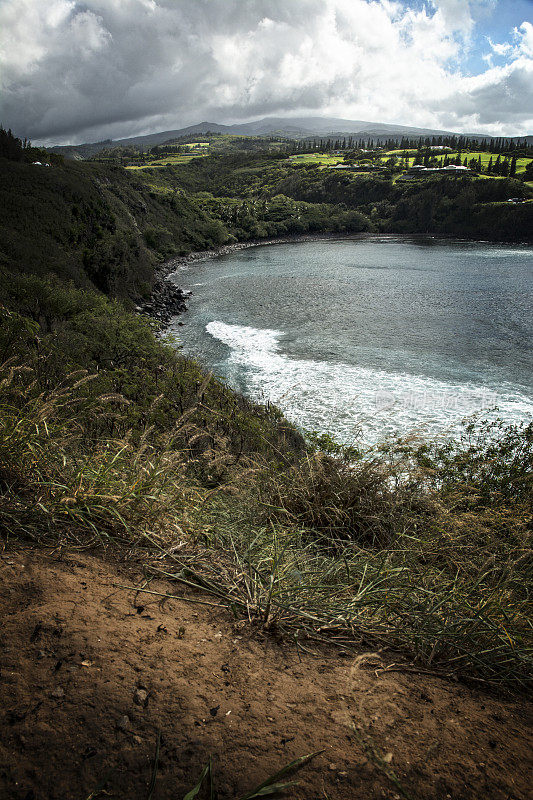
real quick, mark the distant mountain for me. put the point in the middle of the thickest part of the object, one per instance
(287, 127)
(316, 126)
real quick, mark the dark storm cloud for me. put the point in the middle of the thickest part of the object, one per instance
(109, 68)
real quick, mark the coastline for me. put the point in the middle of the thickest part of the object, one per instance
(168, 300)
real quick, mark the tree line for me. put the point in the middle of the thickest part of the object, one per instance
(15, 149)
(345, 143)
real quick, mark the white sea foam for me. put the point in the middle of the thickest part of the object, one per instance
(500, 252)
(344, 400)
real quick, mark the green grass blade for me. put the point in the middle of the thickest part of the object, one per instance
(151, 787)
(271, 782)
(99, 788)
(195, 791)
(274, 789)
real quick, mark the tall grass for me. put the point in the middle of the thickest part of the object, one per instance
(423, 551)
(384, 552)
(58, 483)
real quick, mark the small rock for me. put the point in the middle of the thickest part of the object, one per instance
(342, 774)
(58, 692)
(332, 767)
(41, 654)
(123, 723)
(387, 758)
(140, 697)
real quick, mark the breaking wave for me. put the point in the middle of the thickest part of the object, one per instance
(354, 402)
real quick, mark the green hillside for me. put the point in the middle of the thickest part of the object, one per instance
(108, 436)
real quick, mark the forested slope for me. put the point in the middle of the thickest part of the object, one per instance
(455, 206)
(102, 226)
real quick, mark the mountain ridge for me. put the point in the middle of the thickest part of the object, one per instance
(287, 127)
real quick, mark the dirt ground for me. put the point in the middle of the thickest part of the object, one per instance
(90, 672)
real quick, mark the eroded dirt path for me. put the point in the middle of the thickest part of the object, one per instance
(90, 672)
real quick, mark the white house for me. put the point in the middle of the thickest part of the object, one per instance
(455, 168)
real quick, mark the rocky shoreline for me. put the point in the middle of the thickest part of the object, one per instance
(167, 300)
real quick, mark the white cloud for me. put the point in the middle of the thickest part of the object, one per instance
(76, 70)
(503, 49)
(521, 44)
(524, 35)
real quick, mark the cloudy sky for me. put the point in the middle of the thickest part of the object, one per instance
(73, 71)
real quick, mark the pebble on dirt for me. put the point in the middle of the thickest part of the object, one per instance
(140, 697)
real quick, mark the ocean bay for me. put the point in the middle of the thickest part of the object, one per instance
(369, 336)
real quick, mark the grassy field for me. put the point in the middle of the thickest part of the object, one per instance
(410, 151)
(223, 144)
(329, 159)
(321, 159)
(226, 143)
(485, 156)
(163, 161)
(196, 145)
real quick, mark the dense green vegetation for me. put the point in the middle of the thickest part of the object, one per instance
(104, 226)
(457, 206)
(107, 434)
(187, 147)
(498, 158)
(99, 224)
(15, 149)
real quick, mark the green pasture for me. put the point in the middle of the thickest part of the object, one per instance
(521, 163)
(328, 159)
(175, 158)
(320, 159)
(410, 151)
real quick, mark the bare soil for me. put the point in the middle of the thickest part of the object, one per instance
(89, 673)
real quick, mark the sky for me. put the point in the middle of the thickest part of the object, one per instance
(73, 71)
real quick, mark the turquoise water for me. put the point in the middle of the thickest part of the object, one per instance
(369, 336)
